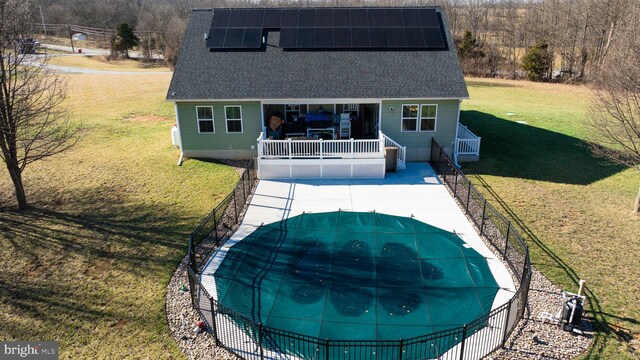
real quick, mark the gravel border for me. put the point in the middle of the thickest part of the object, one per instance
(532, 337)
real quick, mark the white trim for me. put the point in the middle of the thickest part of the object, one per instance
(435, 118)
(419, 118)
(299, 111)
(320, 101)
(402, 117)
(379, 130)
(181, 158)
(213, 121)
(226, 121)
(455, 139)
(175, 107)
(263, 121)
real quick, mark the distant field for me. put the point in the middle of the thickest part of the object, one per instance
(101, 63)
(577, 208)
(88, 266)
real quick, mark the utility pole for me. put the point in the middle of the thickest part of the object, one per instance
(71, 38)
(44, 27)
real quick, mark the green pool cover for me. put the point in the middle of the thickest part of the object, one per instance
(350, 276)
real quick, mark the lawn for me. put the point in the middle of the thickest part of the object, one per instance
(577, 208)
(88, 265)
(101, 63)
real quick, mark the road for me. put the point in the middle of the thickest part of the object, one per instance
(88, 51)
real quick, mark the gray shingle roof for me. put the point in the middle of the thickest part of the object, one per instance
(276, 74)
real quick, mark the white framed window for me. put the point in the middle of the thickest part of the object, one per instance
(204, 114)
(409, 117)
(421, 118)
(428, 116)
(233, 118)
(292, 112)
(352, 109)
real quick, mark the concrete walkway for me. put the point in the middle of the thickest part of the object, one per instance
(416, 191)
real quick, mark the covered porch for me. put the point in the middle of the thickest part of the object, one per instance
(321, 139)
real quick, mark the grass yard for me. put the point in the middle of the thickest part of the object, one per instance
(577, 208)
(88, 266)
(101, 63)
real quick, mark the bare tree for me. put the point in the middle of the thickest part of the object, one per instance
(32, 124)
(615, 114)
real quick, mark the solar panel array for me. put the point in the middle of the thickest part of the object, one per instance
(329, 28)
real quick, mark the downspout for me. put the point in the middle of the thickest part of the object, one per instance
(181, 158)
(455, 140)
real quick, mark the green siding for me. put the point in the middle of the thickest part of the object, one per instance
(220, 140)
(419, 143)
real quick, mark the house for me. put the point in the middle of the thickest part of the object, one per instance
(320, 92)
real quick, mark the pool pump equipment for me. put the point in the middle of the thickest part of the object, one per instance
(573, 308)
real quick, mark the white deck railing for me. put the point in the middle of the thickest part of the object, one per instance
(320, 149)
(467, 143)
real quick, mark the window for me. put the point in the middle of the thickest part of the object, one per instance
(419, 117)
(205, 119)
(428, 117)
(233, 116)
(291, 112)
(409, 117)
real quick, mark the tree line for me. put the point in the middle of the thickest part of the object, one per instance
(569, 39)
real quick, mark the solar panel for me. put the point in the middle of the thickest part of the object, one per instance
(272, 19)
(411, 17)
(233, 38)
(329, 28)
(394, 17)
(359, 17)
(289, 18)
(216, 38)
(428, 17)
(341, 18)
(307, 18)
(306, 38)
(415, 37)
(255, 18)
(433, 37)
(379, 37)
(360, 38)
(252, 38)
(396, 37)
(324, 38)
(288, 38)
(342, 38)
(220, 18)
(237, 18)
(376, 18)
(324, 18)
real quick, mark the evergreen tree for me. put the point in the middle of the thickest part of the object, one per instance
(469, 46)
(125, 39)
(536, 61)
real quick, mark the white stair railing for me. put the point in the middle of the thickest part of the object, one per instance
(467, 143)
(402, 150)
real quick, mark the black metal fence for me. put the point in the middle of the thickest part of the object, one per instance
(217, 226)
(250, 339)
